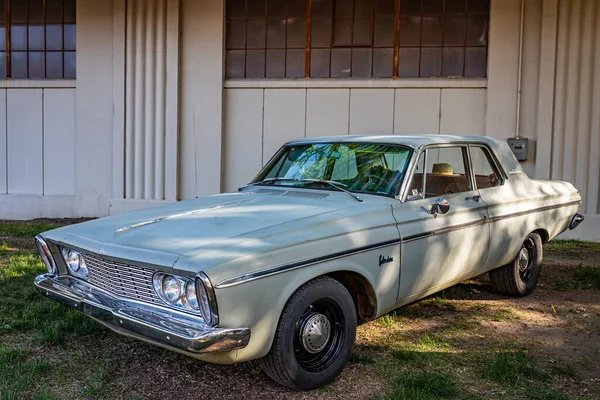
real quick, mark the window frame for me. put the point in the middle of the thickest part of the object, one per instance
(396, 47)
(494, 164)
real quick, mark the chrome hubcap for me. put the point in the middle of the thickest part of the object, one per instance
(315, 333)
(523, 259)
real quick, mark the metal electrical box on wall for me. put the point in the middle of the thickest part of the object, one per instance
(519, 148)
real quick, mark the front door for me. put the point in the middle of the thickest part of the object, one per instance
(440, 249)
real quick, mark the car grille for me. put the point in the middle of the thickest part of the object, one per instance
(122, 280)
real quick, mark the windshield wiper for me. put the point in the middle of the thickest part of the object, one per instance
(338, 185)
(269, 180)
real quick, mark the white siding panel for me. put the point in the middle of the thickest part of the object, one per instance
(327, 112)
(59, 141)
(371, 111)
(243, 136)
(463, 111)
(285, 118)
(3, 153)
(24, 132)
(417, 111)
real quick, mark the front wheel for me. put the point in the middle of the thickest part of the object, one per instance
(314, 337)
(520, 276)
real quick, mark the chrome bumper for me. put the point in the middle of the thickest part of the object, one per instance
(575, 221)
(164, 327)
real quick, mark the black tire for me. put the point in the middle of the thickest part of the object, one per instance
(520, 276)
(301, 358)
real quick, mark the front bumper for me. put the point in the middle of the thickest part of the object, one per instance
(164, 327)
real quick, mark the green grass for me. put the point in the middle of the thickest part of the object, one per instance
(18, 372)
(583, 277)
(512, 368)
(24, 229)
(425, 386)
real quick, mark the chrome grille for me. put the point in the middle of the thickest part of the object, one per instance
(122, 280)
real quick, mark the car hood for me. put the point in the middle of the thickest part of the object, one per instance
(161, 235)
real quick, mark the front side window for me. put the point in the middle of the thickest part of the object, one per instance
(362, 168)
(440, 172)
(357, 38)
(37, 39)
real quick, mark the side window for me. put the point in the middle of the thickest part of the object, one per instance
(445, 173)
(486, 175)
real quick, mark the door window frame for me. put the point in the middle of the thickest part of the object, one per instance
(492, 160)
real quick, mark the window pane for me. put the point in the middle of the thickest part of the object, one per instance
(54, 65)
(256, 8)
(431, 62)
(2, 38)
(69, 11)
(383, 63)
(361, 63)
(456, 6)
(276, 9)
(236, 8)
(320, 32)
(18, 12)
(18, 37)
(477, 30)
(319, 63)
(454, 31)
(236, 34)
(295, 63)
(384, 32)
(363, 8)
(54, 39)
(36, 37)
(70, 37)
(340, 63)
(296, 33)
(342, 32)
(18, 64)
(410, 31)
(275, 63)
(296, 8)
(321, 8)
(408, 63)
(479, 6)
(410, 6)
(2, 64)
(343, 9)
(385, 8)
(476, 62)
(54, 11)
(276, 33)
(433, 6)
(453, 62)
(70, 65)
(363, 32)
(36, 11)
(257, 33)
(255, 64)
(235, 64)
(432, 31)
(2, 12)
(36, 65)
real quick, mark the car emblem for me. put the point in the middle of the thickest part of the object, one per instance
(385, 260)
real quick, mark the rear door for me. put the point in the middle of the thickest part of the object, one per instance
(440, 249)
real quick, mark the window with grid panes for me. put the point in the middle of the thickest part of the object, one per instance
(37, 39)
(357, 38)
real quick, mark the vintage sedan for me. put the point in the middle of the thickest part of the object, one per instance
(332, 232)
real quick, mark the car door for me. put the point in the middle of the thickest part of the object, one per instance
(440, 249)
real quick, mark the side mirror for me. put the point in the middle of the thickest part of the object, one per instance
(439, 206)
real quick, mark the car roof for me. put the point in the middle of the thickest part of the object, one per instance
(414, 141)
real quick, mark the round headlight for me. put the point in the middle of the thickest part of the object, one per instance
(171, 288)
(73, 259)
(191, 296)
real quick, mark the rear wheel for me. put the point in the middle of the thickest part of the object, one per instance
(314, 337)
(520, 276)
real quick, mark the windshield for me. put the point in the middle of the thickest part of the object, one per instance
(363, 168)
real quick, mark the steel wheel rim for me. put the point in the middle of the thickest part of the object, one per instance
(319, 353)
(526, 259)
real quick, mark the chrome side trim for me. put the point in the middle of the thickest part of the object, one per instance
(212, 299)
(166, 327)
(312, 261)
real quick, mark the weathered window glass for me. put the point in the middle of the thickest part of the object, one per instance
(357, 38)
(37, 39)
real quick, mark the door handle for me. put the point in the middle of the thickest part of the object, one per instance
(475, 198)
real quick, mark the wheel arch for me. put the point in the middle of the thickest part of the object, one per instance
(362, 292)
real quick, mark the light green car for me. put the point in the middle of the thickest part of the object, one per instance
(333, 232)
